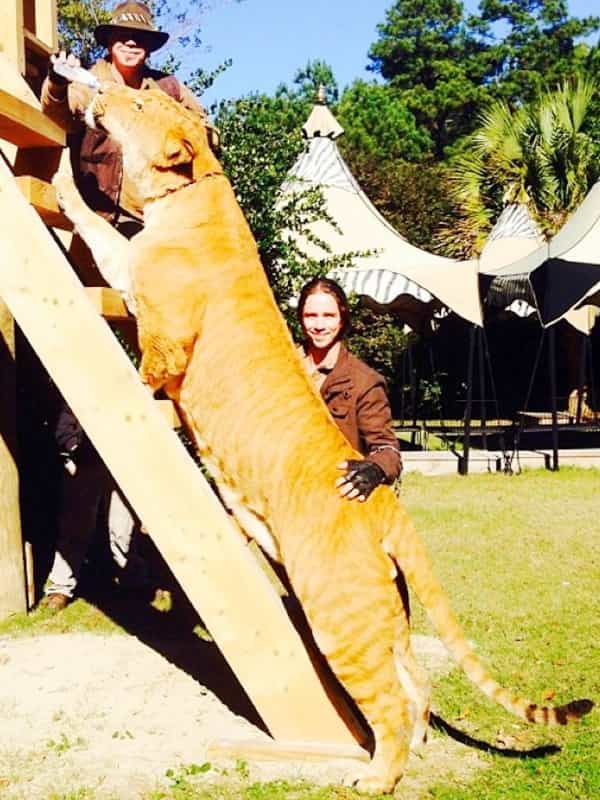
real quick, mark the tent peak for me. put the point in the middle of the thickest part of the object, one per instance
(321, 123)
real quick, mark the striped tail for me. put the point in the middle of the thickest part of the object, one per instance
(405, 546)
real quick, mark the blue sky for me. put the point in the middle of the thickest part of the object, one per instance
(268, 40)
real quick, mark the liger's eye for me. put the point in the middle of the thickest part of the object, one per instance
(138, 104)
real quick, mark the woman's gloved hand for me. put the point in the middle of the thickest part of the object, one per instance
(360, 479)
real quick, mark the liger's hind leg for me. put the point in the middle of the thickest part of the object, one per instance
(386, 708)
(414, 679)
(415, 682)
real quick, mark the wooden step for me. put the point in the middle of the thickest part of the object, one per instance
(42, 197)
(26, 126)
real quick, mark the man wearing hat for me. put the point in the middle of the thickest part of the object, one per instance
(88, 492)
(129, 38)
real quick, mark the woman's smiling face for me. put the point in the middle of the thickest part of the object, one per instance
(321, 320)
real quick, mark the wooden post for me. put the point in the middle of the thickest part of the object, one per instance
(12, 41)
(12, 574)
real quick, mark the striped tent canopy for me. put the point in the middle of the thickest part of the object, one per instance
(392, 274)
(559, 278)
(514, 236)
(518, 269)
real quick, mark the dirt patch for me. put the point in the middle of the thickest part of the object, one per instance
(109, 714)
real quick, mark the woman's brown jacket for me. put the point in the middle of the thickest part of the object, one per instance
(356, 398)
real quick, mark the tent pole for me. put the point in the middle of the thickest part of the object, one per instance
(496, 407)
(590, 370)
(482, 398)
(552, 366)
(463, 465)
(416, 385)
(581, 379)
(404, 358)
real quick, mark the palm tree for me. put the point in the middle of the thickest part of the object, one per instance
(538, 154)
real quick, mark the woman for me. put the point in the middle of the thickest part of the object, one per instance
(354, 393)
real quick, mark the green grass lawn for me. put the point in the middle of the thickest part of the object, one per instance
(520, 559)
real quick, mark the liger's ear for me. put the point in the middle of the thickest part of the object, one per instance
(176, 151)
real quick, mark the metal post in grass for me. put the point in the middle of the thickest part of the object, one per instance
(464, 462)
(552, 370)
(581, 377)
(482, 397)
(416, 384)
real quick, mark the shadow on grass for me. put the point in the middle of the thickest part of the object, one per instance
(439, 724)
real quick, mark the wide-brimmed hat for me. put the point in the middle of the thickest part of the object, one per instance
(132, 16)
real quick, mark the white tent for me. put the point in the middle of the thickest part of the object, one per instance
(560, 279)
(395, 274)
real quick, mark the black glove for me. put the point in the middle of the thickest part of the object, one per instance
(363, 476)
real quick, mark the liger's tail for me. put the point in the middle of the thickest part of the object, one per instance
(405, 547)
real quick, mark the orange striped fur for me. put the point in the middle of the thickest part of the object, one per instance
(211, 334)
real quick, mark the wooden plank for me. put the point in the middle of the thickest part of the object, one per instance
(264, 750)
(11, 33)
(25, 126)
(12, 576)
(196, 537)
(42, 196)
(107, 302)
(169, 413)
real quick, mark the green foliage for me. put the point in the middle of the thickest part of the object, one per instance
(261, 139)
(539, 154)
(201, 79)
(447, 65)
(77, 20)
(379, 340)
(439, 63)
(534, 44)
(378, 124)
(308, 81)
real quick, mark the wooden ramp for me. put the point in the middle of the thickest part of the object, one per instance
(210, 558)
(207, 554)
